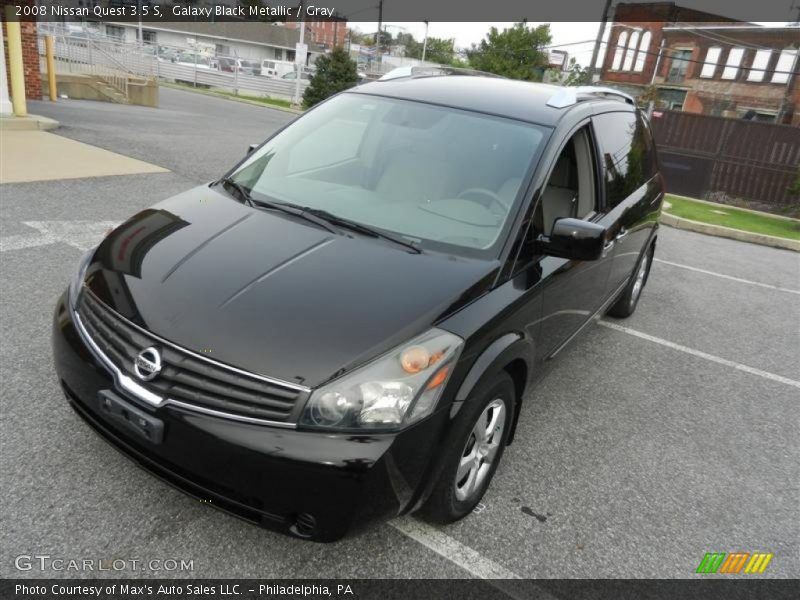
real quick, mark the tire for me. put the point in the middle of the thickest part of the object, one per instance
(629, 299)
(491, 404)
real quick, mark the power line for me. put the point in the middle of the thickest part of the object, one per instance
(721, 39)
(567, 44)
(665, 53)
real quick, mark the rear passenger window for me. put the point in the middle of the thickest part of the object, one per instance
(627, 153)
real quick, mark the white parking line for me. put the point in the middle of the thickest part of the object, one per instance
(465, 557)
(78, 234)
(700, 354)
(730, 277)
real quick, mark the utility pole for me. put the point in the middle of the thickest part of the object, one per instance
(380, 23)
(425, 42)
(600, 32)
(652, 104)
(298, 69)
(141, 35)
(335, 31)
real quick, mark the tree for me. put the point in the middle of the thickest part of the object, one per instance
(517, 52)
(354, 33)
(335, 72)
(438, 50)
(576, 75)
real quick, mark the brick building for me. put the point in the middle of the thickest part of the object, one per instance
(702, 63)
(327, 34)
(30, 53)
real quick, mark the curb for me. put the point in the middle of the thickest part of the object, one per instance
(214, 94)
(28, 123)
(733, 207)
(730, 233)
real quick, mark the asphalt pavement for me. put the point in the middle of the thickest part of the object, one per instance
(649, 442)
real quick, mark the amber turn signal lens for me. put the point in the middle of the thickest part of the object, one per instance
(415, 359)
(439, 378)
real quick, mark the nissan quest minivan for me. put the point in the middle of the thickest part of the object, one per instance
(347, 325)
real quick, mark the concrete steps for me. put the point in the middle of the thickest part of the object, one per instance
(114, 94)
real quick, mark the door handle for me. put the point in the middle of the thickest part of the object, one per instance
(622, 233)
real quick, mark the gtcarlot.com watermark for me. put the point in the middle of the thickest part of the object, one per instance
(46, 562)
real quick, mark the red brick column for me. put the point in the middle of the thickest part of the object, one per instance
(30, 54)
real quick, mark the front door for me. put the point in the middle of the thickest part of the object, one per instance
(632, 190)
(573, 290)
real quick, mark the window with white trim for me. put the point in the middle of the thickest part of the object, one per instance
(710, 63)
(759, 66)
(784, 66)
(641, 55)
(631, 51)
(732, 65)
(622, 41)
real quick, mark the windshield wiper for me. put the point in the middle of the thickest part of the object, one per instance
(361, 228)
(242, 191)
(290, 209)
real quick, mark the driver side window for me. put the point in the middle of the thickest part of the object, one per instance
(570, 190)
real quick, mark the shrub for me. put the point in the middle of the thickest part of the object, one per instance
(335, 72)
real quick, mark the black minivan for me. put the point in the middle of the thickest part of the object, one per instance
(347, 325)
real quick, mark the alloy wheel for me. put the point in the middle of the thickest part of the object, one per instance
(638, 284)
(480, 450)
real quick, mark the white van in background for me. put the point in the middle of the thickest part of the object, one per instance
(276, 68)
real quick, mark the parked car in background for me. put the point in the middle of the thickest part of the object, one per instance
(250, 67)
(276, 68)
(228, 64)
(293, 75)
(346, 326)
(166, 54)
(193, 60)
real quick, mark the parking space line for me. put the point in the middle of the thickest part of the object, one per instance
(730, 277)
(465, 557)
(700, 354)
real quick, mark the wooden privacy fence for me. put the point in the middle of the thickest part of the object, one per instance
(718, 158)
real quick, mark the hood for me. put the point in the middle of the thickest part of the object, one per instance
(270, 293)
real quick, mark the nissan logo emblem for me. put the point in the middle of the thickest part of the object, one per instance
(147, 364)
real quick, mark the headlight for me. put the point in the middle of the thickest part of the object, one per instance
(397, 389)
(77, 279)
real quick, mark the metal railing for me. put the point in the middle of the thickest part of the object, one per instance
(85, 57)
(124, 63)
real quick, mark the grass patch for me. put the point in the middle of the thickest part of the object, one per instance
(260, 99)
(733, 218)
(264, 100)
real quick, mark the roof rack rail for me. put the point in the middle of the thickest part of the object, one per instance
(569, 96)
(433, 71)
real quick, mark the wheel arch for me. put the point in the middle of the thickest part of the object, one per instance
(510, 353)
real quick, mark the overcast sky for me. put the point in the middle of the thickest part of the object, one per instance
(466, 34)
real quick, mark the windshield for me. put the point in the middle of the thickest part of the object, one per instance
(437, 176)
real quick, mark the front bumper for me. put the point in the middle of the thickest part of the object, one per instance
(313, 485)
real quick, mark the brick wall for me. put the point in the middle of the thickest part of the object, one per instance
(30, 54)
(330, 33)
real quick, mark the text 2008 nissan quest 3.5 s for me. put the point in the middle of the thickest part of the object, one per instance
(347, 325)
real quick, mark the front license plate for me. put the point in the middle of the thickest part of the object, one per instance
(124, 414)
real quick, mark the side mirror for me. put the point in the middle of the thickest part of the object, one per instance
(574, 239)
(252, 147)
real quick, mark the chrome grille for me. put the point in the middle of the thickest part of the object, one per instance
(184, 377)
